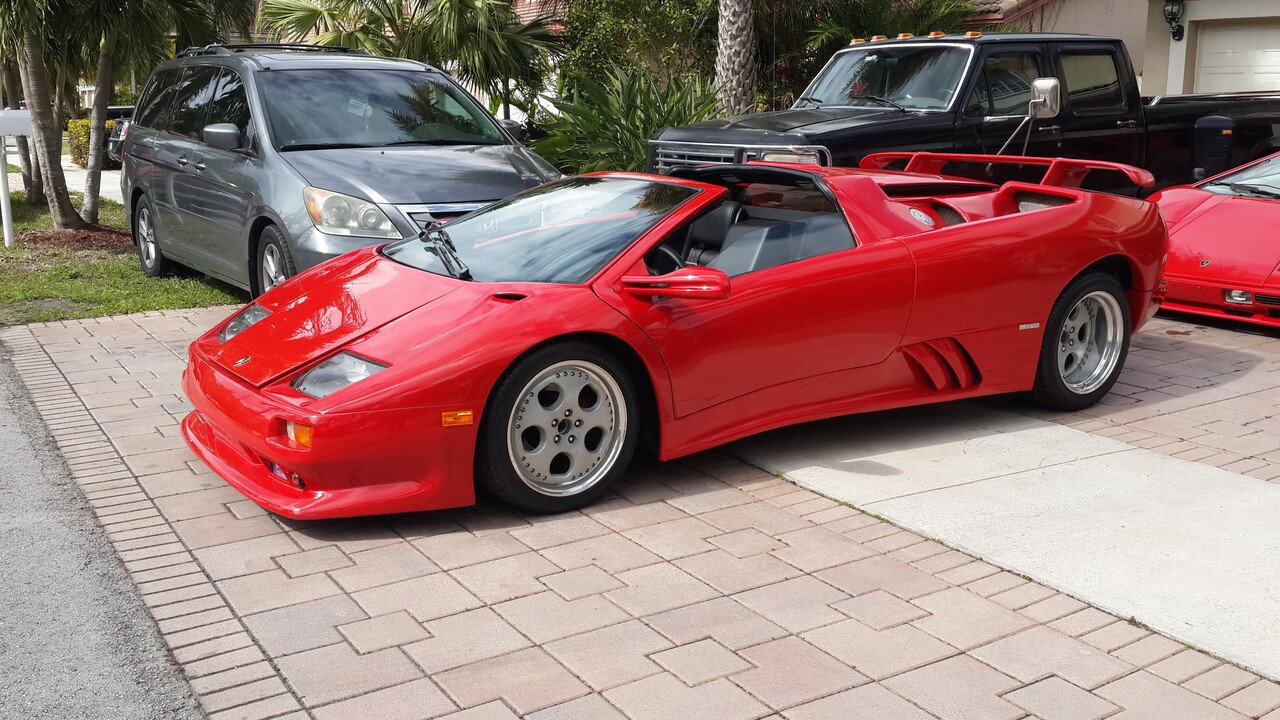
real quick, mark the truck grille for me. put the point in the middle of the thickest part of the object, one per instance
(668, 156)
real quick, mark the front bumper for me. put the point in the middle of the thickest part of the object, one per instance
(369, 463)
(1199, 297)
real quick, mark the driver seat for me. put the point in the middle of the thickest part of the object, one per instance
(710, 234)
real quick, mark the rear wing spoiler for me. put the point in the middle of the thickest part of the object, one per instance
(1062, 172)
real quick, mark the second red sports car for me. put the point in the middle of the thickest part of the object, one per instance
(1224, 244)
(530, 346)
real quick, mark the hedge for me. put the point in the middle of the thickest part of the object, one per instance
(78, 144)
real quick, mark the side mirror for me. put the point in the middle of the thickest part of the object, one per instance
(515, 128)
(224, 136)
(690, 283)
(1046, 98)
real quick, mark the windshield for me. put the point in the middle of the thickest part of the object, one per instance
(562, 232)
(371, 108)
(1260, 180)
(914, 77)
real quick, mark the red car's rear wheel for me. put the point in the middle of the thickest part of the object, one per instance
(1085, 343)
(560, 428)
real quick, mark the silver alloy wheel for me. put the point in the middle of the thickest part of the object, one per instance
(147, 238)
(567, 428)
(272, 267)
(1089, 342)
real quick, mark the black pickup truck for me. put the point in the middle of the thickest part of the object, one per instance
(968, 93)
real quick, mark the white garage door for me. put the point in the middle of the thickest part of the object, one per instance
(1237, 55)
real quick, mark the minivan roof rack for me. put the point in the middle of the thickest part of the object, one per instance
(231, 48)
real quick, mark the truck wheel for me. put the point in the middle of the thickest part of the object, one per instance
(1085, 344)
(560, 428)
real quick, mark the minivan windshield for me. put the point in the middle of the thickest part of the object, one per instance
(908, 76)
(353, 107)
(562, 232)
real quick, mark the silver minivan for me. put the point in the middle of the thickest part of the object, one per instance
(254, 162)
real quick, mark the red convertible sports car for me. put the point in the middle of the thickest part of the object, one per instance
(530, 346)
(1224, 244)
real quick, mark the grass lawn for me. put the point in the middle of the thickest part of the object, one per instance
(41, 283)
(12, 168)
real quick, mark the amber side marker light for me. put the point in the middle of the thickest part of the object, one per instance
(299, 433)
(456, 417)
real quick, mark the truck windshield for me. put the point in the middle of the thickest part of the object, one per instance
(312, 109)
(914, 77)
(562, 232)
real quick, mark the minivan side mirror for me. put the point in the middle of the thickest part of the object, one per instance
(689, 283)
(1046, 98)
(223, 136)
(515, 128)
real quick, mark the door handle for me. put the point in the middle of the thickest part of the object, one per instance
(1050, 128)
(1127, 123)
(182, 160)
(199, 164)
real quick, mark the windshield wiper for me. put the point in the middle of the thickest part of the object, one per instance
(878, 99)
(442, 141)
(323, 146)
(817, 102)
(1251, 190)
(435, 236)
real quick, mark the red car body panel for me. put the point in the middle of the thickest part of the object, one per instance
(1219, 243)
(915, 313)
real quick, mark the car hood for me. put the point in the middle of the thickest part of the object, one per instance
(423, 174)
(324, 309)
(1225, 239)
(800, 124)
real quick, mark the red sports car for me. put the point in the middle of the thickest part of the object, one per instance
(1224, 244)
(530, 346)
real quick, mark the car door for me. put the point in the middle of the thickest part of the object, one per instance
(185, 219)
(1100, 113)
(143, 164)
(781, 324)
(220, 195)
(996, 103)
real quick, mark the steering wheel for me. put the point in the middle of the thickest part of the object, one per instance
(662, 260)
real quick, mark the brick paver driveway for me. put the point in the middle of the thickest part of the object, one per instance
(704, 589)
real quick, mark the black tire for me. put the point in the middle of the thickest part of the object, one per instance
(146, 240)
(272, 249)
(1051, 388)
(496, 464)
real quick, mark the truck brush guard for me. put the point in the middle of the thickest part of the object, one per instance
(1060, 172)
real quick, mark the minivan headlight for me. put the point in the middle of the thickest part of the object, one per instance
(336, 373)
(339, 214)
(243, 320)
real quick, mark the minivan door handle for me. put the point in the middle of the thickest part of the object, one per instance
(199, 164)
(182, 160)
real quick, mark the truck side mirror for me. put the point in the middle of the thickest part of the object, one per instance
(1046, 98)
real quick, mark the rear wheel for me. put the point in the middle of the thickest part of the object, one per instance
(275, 262)
(1085, 344)
(561, 427)
(146, 238)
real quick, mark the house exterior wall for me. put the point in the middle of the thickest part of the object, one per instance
(1172, 65)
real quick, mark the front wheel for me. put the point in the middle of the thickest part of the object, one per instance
(275, 261)
(561, 426)
(1085, 344)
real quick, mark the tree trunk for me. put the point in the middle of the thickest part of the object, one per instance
(32, 177)
(59, 108)
(48, 133)
(735, 57)
(506, 98)
(98, 126)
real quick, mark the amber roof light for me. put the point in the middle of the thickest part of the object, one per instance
(973, 34)
(855, 41)
(936, 33)
(879, 37)
(903, 36)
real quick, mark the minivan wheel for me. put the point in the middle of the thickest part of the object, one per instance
(275, 262)
(147, 240)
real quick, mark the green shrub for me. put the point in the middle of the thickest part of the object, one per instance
(607, 123)
(78, 144)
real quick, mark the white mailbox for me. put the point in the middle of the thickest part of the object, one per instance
(15, 122)
(12, 122)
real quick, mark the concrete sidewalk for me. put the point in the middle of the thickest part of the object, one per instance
(702, 589)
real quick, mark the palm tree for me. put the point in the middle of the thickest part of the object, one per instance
(481, 40)
(145, 23)
(735, 57)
